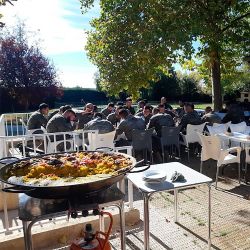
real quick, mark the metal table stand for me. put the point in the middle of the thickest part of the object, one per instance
(193, 178)
(32, 210)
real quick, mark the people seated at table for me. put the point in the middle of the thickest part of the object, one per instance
(114, 117)
(85, 116)
(234, 114)
(166, 105)
(160, 119)
(129, 106)
(98, 123)
(108, 110)
(38, 118)
(128, 122)
(210, 117)
(146, 114)
(190, 117)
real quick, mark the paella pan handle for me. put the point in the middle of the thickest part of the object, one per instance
(104, 149)
(140, 164)
(16, 189)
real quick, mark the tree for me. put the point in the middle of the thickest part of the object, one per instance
(132, 40)
(167, 86)
(27, 75)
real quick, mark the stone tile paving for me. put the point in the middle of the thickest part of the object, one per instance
(230, 217)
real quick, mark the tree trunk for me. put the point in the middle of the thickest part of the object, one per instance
(216, 80)
(27, 104)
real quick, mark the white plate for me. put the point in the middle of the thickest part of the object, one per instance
(154, 175)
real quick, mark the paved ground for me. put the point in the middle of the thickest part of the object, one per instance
(230, 216)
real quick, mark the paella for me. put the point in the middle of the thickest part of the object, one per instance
(68, 169)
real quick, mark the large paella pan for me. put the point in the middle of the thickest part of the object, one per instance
(62, 175)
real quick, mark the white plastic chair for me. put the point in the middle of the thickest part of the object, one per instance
(128, 149)
(218, 129)
(51, 146)
(97, 140)
(218, 124)
(211, 149)
(239, 127)
(192, 135)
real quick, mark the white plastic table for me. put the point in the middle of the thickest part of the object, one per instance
(236, 137)
(193, 178)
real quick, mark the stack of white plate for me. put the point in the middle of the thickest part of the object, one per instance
(154, 176)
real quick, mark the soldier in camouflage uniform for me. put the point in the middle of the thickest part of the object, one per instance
(85, 116)
(108, 110)
(38, 119)
(103, 126)
(61, 123)
(128, 123)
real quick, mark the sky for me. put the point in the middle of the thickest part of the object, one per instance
(62, 30)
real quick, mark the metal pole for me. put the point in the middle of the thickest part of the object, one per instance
(122, 185)
(26, 240)
(176, 212)
(146, 220)
(5, 209)
(209, 216)
(101, 223)
(130, 194)
(122, 225)
(29, 236)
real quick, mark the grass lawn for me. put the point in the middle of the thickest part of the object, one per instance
(197, 105)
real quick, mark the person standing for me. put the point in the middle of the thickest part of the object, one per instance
(166, 105)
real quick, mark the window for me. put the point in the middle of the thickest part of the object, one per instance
(245, 95)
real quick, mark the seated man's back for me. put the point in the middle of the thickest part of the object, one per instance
(102, 125)
(58, 123)
(129, 123)
(190, 117)
(61, 123)
(211, 118)
(159, 120)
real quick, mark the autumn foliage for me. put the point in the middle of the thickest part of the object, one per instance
(26, 75)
